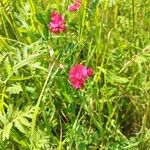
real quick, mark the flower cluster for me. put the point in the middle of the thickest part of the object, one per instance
(75, 6)
(78, 74)
(57, 23)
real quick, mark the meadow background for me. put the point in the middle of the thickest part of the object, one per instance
(40, 110)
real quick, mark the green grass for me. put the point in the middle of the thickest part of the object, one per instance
(39, 110)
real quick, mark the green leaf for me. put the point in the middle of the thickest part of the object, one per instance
(40, 18)
(22, 63)
(47, 16)
(25, 122)
(68, 98)
(3, 118)
(81, 146)
(45, 32)
(19, 126)
(117, 79)
(6, 130)
(15, 89)
(44, 18)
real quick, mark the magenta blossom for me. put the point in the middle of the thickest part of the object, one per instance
(78, 75)
(75, 6)
(57, 23)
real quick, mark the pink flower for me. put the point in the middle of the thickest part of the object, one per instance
(57, 23)
(75, 6)
(78, 75)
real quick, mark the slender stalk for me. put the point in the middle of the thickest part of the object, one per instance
(38, 103)
(133, 16)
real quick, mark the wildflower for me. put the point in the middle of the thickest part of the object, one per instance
(78, 74)
(75, 6)
(57, 23)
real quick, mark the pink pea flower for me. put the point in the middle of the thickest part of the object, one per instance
(75, 6)
(78, 75)
(57, 23)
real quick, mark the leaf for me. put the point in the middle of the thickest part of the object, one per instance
(81, 146)
(3, 58)
(47, 16)
(95, 3)
(19, 126)
(21, 78)
(15, 89)
(40, 18)
(45, 31)
(118, 79)
(22, 63)
(68, 98)
(44, 18)
(25, 122)
(37, 65)
(6, 131)
(3, 118)
(30, 89)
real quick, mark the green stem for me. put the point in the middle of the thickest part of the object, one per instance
(38, 103)
(133, 15)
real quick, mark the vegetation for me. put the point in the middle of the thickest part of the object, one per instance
(40, 110)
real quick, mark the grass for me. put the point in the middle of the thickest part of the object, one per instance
(39, 110)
